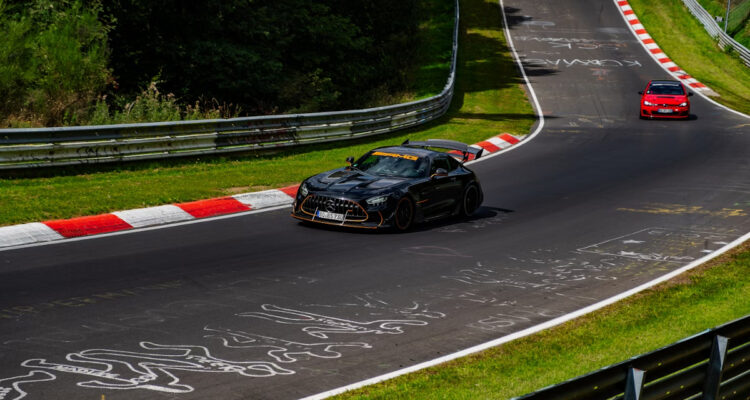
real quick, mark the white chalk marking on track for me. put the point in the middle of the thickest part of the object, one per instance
(639, 26)
(545, 325)
(532, 94)
(253, 201)
(533, 329)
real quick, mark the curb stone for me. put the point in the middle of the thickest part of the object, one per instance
(55, 230)
(656, 52)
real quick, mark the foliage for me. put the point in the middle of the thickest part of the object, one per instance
(697, 300)
(53, 59)
(739, 15)
(487, 100)
(265, 55)
(66, 62)
(151, 105)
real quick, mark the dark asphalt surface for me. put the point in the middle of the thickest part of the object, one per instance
(259, 306)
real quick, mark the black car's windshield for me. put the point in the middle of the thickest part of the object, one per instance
(383, 163)
(665, 89)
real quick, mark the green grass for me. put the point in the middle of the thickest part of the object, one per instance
(706, 297)
(670, 23)
(433, 56)
(53, 61)
(645, 322)
(488, 101)
(738, 15)
(743, 36)
(741, 32)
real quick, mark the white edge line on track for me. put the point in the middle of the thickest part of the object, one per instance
(664, 67)
(533, 329)
(532, 93)
(486, 345)
(556, 321)
(149, 228)
(504, 339)
(539, 128)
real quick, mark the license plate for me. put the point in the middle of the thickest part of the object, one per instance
(330, 215)
(665, 110)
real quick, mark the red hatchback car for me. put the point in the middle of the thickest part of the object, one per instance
(665, 99)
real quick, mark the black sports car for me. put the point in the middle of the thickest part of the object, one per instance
(393, 187)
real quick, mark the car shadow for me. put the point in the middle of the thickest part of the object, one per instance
(692, 117)
(484, 213)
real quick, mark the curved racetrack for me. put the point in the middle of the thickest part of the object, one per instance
(259, 306)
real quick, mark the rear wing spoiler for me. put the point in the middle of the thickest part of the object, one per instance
(464, 149)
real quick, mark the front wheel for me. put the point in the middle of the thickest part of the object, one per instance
(470, 201)
(404, 215)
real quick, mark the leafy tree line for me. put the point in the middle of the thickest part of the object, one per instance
(266, 55)
(53, 59)
(70, 59)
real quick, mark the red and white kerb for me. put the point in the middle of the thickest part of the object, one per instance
(654, 50)
(47, 231)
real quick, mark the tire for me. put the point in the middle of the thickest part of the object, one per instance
(470, 200)
(403, 217)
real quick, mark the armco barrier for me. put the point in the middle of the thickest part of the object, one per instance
(715, 31)
(39, 147)
(712, 365)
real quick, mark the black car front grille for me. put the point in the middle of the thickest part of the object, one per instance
(352, 210)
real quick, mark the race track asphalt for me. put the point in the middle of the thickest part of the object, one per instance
(261, 306)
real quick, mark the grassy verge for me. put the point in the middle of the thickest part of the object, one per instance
(670, 23)
(433, 57)
(645, 322)
(703, 298)
(488, 101)
(738, 15)
(743, 36)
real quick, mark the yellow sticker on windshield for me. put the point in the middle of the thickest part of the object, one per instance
(404, 156)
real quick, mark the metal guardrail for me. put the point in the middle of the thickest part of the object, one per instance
(40, 147)
(711, 365)
(715, 31)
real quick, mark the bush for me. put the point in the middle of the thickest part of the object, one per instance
(268, 56)
(53, 60)
(151, 105)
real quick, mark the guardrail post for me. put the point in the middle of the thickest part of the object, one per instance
(634, 384)
(726, 20)
(715, 368)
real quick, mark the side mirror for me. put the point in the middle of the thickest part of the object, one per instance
(690, 94)
(350, 161)
(641, 92)
(440, 172)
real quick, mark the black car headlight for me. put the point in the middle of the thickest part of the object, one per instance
(303, 189)
(377, 200)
